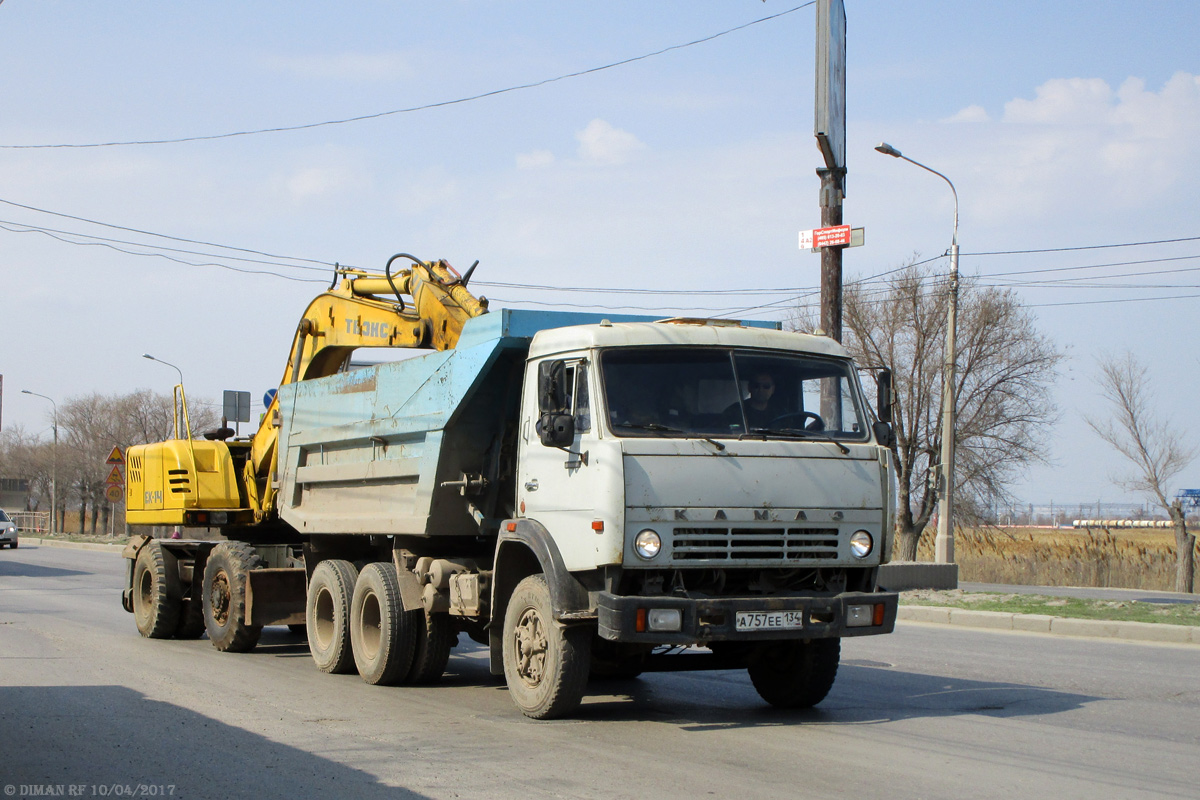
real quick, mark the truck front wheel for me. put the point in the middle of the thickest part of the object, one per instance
(328, 615)
(545, 664)
(156, 592)
(795, 674)
(382, 636)
(226, 574)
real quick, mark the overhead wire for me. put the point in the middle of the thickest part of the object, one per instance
(27, 228)
(156, 235)
(413, 109)
(8, 227)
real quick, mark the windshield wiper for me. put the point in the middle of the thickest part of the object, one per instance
(657, 428)
(799, 433)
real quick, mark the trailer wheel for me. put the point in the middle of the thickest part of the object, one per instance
(545, 664)
(327, 615)
(795, 674)
(435, 638)
(382, 636)
(156, 592)
(225, 579)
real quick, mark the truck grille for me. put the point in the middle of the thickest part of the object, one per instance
(789, 545)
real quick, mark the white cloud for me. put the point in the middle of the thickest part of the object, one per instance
(1063, 101)
(970, 114)
(344, 66)
(601, 143)
(534, 160)
(1079, 145)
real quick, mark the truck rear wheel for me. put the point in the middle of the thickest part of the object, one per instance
(382, 635)
(795, 674)
(545, 664)
(435, 638)
(327, 615)
(225, 577)
(156, 592)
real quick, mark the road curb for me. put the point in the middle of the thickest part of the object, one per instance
(98, 547)
(1059, 626)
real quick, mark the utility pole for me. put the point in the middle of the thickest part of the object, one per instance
(832, 181)
(830, 130)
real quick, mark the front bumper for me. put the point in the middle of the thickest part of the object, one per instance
(713, 619)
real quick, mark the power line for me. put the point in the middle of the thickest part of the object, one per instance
(158, 235)
(11, 226)
(1081, 247)
(5, 226)
(1118, 300)
(413, 109)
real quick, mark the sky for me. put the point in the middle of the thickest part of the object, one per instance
(687, 173)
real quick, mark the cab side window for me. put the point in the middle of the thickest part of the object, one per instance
(578, 397)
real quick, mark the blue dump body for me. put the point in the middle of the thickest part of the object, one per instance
(367, 451)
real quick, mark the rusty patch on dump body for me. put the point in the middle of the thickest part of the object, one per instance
(357, 385)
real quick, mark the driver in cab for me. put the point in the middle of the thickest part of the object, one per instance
(761, 407)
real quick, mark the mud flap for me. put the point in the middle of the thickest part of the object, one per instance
(276, 596)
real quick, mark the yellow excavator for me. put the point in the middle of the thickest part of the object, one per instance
(215, 482)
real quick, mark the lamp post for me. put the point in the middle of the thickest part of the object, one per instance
(168, 363)
(54, 474)
(944, 543)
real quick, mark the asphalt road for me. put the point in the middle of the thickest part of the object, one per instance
(86, 705)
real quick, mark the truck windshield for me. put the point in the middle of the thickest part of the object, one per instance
(676, 391)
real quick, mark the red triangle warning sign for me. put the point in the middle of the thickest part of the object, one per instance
(116, 456)
(115, 476)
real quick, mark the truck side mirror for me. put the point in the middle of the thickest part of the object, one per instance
(884, 433)
(883, 401)
(556, 426)
(556, 430)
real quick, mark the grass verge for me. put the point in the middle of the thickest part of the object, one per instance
(1076, 608)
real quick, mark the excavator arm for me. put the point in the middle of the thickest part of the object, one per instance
(363, 309)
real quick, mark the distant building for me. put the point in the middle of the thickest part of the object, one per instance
(14, 493)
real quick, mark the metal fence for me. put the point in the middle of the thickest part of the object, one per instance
(1063, 515)
(31, 521)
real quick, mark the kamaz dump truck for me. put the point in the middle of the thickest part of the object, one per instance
(588, 495)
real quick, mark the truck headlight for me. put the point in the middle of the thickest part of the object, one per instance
(861, 544)
(647, 544)
(665, 619)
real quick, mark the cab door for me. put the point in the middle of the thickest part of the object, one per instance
(562, 488)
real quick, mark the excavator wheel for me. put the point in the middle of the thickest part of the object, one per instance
(225, 580)
(191, 619)
(156, 592)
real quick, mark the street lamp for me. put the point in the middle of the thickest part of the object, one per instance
(944, 543)
(179, 403)
(54, 474)
(168, 363)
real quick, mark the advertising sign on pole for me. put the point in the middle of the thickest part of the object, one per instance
(830, 124)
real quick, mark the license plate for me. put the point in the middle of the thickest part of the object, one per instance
(769, 620)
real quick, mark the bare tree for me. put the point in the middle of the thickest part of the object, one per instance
(1003, 381)
(1153, 446)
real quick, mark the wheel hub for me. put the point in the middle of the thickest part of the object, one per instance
(220, 598)
(531, 647)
